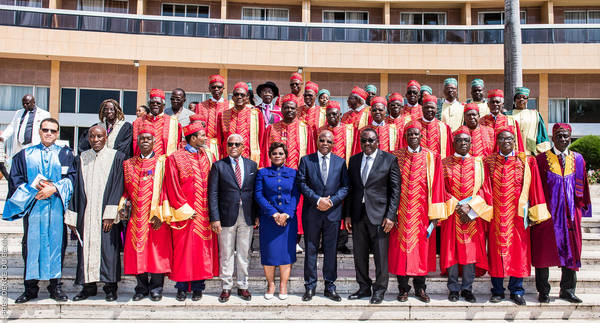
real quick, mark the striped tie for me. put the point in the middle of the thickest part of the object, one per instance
(238, 172)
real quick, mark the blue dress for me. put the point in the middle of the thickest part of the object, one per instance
(275, 191)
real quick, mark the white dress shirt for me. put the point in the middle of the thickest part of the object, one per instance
(378, 124)
(364, 163)
(220, 100)
(241, 161)
(327, 161)
(558, 153)
(410, 150)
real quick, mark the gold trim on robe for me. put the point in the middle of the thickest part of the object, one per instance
(302, 138)
(349, 141)
(443, 139)
(173, 144)
(393, 136)
(155, 209)
(435, 210)
(254, 140)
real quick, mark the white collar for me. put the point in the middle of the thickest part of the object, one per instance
(556, 152)
(378, 124)
(410, 150)
(427, 121)
(148, 156)
(412, 106)
(321, 155)
(373, 155)
(220, 100)
(461, 156)
(359, 108)
(512, 153)
(448, 102)
(240, 159)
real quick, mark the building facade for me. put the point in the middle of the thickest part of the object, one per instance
(72, 54)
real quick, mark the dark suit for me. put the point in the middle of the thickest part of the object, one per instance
(381, 194)
(314, 221)
(224, 193)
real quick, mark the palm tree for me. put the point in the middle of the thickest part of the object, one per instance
(513, 69)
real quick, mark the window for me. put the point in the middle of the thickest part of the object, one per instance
(265, 14)
(557, 111)
(584, 110)
(346, 17)
(494, 18)
(182, 10)
(68, 134)
(422, 18)
(100, 23)
(87, 101)
(22, 18)
(11, 96)
(582, 17)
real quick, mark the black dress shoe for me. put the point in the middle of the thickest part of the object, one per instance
(468, 296)
(155, 296)
(402, 297)
(544, 298)
(308, 295)
(58, 295)
(377, 298)
(24, 298)
(181, 295)
(453, 296)
(422, 296)
(332, 295)
(570, 297)
(518, 299)
(496, 298)
(360, 294)
(196, 295)
(344, 250)
(225, 294)
(111, 296)
(81, 296)
(244, 294)
(138, 296)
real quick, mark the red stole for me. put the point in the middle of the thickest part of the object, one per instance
(209, 110)
(167, 133)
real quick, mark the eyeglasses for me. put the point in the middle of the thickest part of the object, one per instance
(294, 84)
(236, 144)
(276, 153)
(239, 94)
(506, 139)
(325, 140)
(367, 140)
(412, 92)
(215, 87)
(46, 130)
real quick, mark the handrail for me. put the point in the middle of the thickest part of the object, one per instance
(289, 24)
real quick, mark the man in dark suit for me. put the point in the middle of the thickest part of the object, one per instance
(372, 205)
(323, 181)
(233, 214)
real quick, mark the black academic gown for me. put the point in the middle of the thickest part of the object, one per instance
(110, 246)
(123, 142)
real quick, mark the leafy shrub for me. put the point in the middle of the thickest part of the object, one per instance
(589, 147)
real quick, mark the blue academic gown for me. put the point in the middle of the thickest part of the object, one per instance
(276, 191)
(45, 233)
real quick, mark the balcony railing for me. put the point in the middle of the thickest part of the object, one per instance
(293, 31)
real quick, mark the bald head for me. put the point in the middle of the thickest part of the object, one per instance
(325, 142)
(97, 137)
(28, 102)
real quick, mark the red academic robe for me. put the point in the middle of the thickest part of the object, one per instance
(465, 243)
(195, 245)
(400, 121)
(389, 137)
(358, 119)
(422, 197)
(297, 136)
(414, 113)
(146, 250)
(299, 99)
(502, 120)
(314, 117)
(343, 140)
(248, 123)
(437, 137)
(168, 133)
(482, 141)
(209, 110)
(517, 192)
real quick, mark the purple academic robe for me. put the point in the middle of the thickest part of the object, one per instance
(557, 242)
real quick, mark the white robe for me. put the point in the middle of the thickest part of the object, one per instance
(11, 135)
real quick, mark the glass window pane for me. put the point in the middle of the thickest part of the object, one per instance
(67, 100)
(11, 96)
(89, 100)
(431, 19)
(584, 111)
(179, 10)
(491, 18)
(191, 11)
(328, 17)
(575, 17)
(532, 103)
(129, 102)
(593, 17)
(203, 12)
(252, 14)
(339, 17)
(277, 15)
(557, 111)
(523, 18)
(42, 97)
(68, 134)
(167, 10)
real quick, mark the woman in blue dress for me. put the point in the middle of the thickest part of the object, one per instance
(277, 196)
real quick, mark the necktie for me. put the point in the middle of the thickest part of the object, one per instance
(324, 169)
(238, 172)
(365, 172)
(28, 126)
(561, 159)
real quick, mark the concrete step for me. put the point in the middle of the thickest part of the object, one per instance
(209, 308)
(588, 281)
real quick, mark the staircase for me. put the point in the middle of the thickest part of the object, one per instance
(320, 308)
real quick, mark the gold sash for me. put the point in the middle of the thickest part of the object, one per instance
(349, 141)
(443, 139)
(302, 138)
(254, 144)
(172, 143)
(434, 210)
(393, 136)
